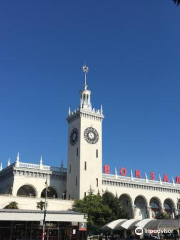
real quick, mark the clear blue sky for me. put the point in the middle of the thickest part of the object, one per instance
(133, 53)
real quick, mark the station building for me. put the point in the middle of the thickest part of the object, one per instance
(141, 197)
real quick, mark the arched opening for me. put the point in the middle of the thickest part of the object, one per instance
(26, 191)
(168, 207)
(155, 206)
(51, 193)
(126, 202)
(141, 207)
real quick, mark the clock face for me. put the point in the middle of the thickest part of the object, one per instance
(91, 135)
(73, 136)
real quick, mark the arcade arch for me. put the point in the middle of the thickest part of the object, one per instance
(156, 206)
(140, 203)
(51, 193)
(26, 191)
(169, 207)
(126, 202)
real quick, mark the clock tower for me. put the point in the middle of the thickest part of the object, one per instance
(84, 169)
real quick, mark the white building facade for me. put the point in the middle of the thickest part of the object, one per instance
(25, 182)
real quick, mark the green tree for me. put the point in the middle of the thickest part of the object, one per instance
(98, 212)
(12, 205)
(114, 204)
(100, 209)
(40, 205)
(162, 215)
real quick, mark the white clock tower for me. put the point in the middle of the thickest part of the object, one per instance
(84, 147)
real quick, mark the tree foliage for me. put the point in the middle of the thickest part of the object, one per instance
(114, 204)
(162, 215)
(12, 205)
(100, 209)
(40, 205)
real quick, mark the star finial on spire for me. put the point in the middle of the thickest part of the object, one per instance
(85, 70)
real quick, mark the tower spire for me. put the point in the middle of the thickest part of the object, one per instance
(41, 160)
(132, 178)
(85, 70)
(85, 94)
(146, 177)
(17, 160)
(9, 163)
(62, 164)
(160, 181)
(1, 167)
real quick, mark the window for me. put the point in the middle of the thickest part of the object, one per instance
(168, 208)
(69, 168)
(85, 165)
(96, 182)
(155, 207)
(96, 153)
(77, 152)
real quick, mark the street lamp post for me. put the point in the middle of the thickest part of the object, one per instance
(45, 208)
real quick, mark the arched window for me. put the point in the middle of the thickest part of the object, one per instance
(155, 207)
(141, 206)
(26, 191)
(140, 202)
(168, 207)
(51, 193)
(126, 203)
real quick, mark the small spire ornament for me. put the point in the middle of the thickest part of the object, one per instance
(85, 70)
